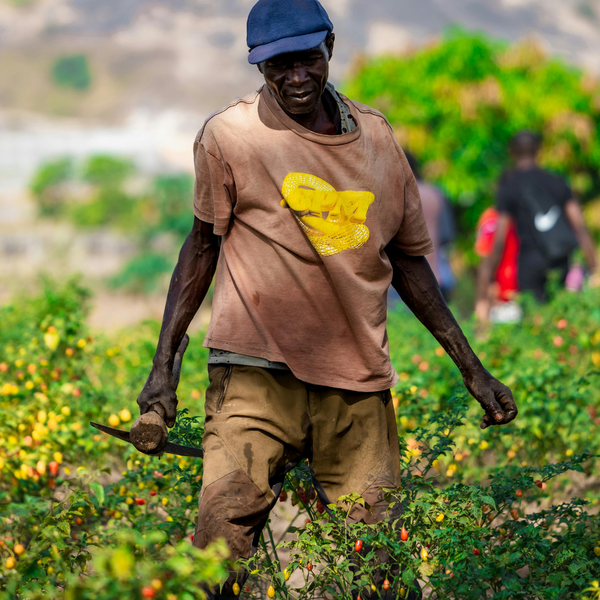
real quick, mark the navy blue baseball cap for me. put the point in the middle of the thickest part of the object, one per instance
(282, 26)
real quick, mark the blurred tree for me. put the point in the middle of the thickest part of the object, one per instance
(101, 196)
(109, 203)
(48, 186)
(107, 171)
(108, 206)
(456, 104)
(72, 71)
(172, 195)
(142, 273)
(165, 210)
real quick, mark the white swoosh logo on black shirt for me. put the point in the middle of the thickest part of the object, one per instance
(546, 222)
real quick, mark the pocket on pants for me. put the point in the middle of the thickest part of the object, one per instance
(219, 377)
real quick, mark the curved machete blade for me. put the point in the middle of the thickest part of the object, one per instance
(170, 448)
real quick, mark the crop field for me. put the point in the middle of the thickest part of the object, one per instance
(503, 513)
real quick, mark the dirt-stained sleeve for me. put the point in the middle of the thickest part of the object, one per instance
(214, 189)
(413, 236)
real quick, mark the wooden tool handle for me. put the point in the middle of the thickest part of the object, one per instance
(179, 357)
(149, 433)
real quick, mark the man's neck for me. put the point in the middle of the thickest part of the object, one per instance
(526, 163)
(317, 121)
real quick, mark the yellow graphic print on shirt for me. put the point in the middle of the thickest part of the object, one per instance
(333, 221)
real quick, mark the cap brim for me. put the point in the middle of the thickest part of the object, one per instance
(285, 46)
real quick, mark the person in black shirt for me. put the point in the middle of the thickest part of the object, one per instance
(548, 219)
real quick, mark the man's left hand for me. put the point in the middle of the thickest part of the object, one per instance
(495, 398)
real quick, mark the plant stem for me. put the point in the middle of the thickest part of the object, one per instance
(288, 528)
(273, 544)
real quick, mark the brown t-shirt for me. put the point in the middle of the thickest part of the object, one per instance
(305, 218)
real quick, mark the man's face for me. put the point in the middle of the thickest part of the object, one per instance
(298, 79)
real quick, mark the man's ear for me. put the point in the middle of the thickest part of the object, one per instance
(330, 43)
(259, 66)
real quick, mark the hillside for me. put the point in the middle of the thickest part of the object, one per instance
(189, 55)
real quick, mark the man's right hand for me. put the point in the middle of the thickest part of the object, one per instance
(160, 392)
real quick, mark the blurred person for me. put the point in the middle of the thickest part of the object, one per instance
(502, 292)
(308, 206)
(549, 224)
(441, 225)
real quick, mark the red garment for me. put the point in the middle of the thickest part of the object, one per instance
(506, 275)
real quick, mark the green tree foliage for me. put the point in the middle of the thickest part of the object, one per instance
(72, 71)
(111, 207)
(456, 104)
(109, 202)
(167, 210)
(172, 195)
(106, 171)
(98, 193)
(140, 274)
(48, 185)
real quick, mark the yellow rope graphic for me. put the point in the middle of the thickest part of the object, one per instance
(333, 221)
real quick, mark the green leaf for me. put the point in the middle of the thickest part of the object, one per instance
(489, 500)
(408, 577)
(426, 569)
(98, 491)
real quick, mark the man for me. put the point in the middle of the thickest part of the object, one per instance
(307, 204)
(548, 219)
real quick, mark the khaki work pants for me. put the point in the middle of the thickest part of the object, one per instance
(261, 421)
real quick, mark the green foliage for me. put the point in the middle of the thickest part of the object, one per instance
(172, 194)
(167, 210)
(48, 186)
(63, 305)
(101, 196)
(456, 104)
(141, 273)
(463, 541)
(109, 206)
(592, 592)
(109, 203)
(107, 172)
(64, 536)
(173, 570)
(94, 517)
(550, 360)
(72, 71)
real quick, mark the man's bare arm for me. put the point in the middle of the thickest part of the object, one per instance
(574, 215)
(190, 283)
(417, 286)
